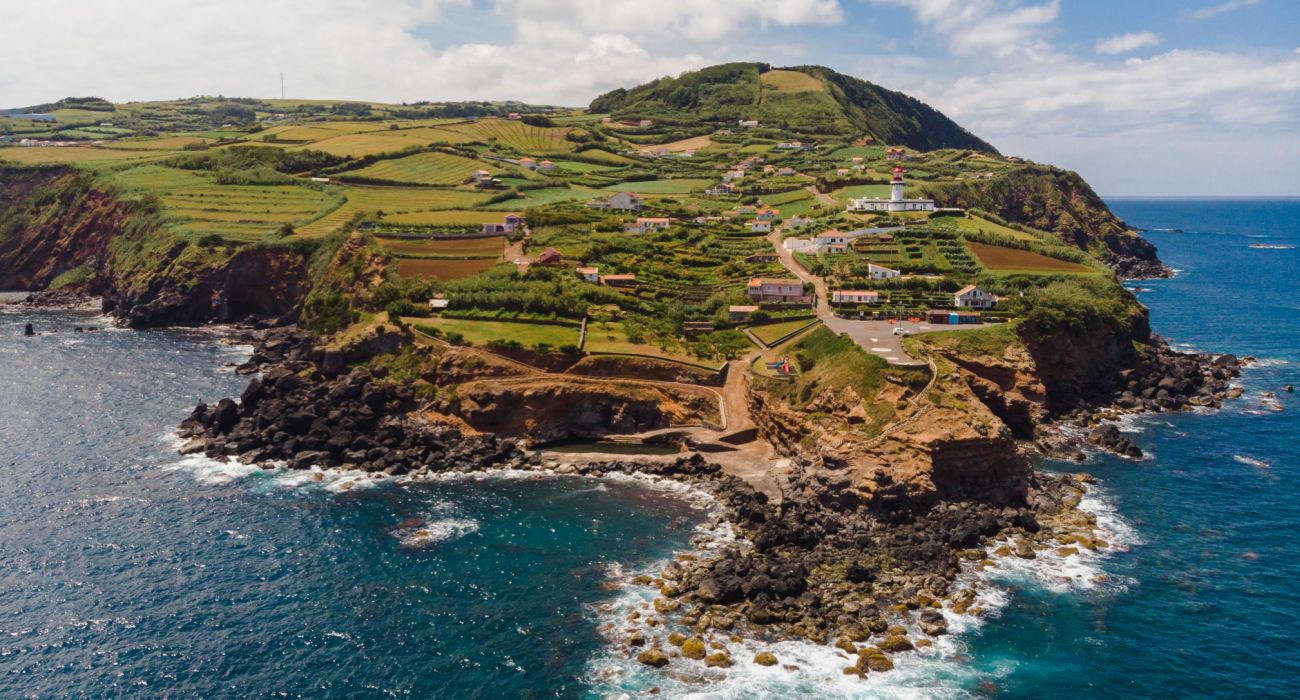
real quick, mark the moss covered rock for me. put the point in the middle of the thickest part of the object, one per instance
(765, 658)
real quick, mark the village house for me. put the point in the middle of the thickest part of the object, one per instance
(799, 245)
(896, 154)
(439, 303)
(722, 188)
(507, 226)
(880, 272)
(856, 159)
(760, 226)
(546, 166)
(514, 115)
(589, 274)
(626, 280)
(896, 202)
(645, 123)
(620, 201)
(733, 175)
(527, 162)
(777, 290)
(841, 171)
(789, 145)
(482, 178)
(644, 224)
(762, 258)
(854, 297)
(796, 221)
(787, 170)
(767, 214)
(747, 123)
(972, 297)
(550, 256)
(740, 312)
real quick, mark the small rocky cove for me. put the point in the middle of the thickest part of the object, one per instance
(871, 578)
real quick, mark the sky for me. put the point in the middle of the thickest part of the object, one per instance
(1142, 97)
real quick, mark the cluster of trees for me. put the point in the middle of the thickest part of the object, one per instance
(254, 165)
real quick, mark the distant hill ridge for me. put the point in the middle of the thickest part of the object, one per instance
(799, 99)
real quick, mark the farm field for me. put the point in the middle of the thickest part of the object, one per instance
(974, 224)
(367, 144)
(612, 339)
(545, 195)
(517, 135)
(443, 270)
(692, 144)
(791, 81)
(432, 168)
(773, 331)
(1002, 259)
(390, 200)
(844, 194)
(681, 186)
(580, 167)
(483, 332)
(451, 217)
(73, 154)
(468, 247)
(163, 144)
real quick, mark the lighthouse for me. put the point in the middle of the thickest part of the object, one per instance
(896, 189)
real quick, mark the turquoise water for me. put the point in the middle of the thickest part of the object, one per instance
(126, 571)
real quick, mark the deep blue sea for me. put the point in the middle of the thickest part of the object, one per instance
(127, 571)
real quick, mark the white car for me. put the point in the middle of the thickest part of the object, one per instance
(902, 331)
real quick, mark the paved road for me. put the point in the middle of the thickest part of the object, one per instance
(876, 337)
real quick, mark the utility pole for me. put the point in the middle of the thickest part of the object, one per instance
(282, 85)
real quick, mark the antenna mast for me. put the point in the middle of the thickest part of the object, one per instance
(282, 85)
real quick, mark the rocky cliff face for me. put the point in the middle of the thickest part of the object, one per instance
(1060, 202)
(57, 220)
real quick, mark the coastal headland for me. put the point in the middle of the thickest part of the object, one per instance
(856, 330)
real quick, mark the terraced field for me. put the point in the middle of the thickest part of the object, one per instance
(361, 145)
(445, 218)
(390, 200)
(163, 144)
(443, 270)
(431, 168)
(74, 154)
(680, 186)
(518, 136)
(791, 81)
(546, 195)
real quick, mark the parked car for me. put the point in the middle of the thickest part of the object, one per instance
(902, 331)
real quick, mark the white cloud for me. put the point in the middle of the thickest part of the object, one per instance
(1123, 43)
(996, 27)
(552, 51)
(1221, 8)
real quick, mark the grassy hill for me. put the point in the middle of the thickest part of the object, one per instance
(803, 99)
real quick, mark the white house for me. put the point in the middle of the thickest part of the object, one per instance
(625, 201)
(511, 222)
(790, 145)
(785, 171)
(482, 177)
(780, 290)
(546, 166)
(767, 214)
(796, 221)
(972, 297)
(747, 123)
(896, 202)
(590, 274)
(733, 175)
(844, 296)
(526, 162)
(645, 123)
(826, 239)
(722, 188)
(760, 226)
(647, 223)
(880, 272)
(799, 245)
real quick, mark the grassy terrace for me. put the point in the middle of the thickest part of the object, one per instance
(483, 332)
(611, 338)
(771, 332)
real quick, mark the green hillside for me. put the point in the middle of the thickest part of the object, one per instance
(800, 99)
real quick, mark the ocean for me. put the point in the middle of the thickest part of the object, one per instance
(129, 571)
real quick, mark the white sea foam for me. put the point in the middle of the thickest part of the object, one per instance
(212, 472)
(435, 531)
(1251, 461)
(1268, 362)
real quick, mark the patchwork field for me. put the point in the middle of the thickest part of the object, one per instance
(163, 144)
(422, 169)
(546, 195)
(74, 154)
(450, 217)
(1011, 259)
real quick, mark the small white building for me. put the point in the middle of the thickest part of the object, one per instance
(845, 296)
(972, 297)
(767, 214)
(722, 188)
(880, 272)
(527, 162)
(896, 202)
(799, 245)
(546, 166)
(779, 290)
(825, 240)
(790, 145)
(785, 171)
(757, 226)
(747, 123)
(589, 274)
(796, 221)
(620, 201)
(645, 123)
(647, 223)
(733, 175)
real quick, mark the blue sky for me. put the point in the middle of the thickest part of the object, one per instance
(1143, 97)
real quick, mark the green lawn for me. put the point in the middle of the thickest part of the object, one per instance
(682, 186)
(613, 339)
(771, 332)
(483, 332)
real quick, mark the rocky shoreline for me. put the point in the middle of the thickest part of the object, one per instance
(1166, 380)
(871, 580)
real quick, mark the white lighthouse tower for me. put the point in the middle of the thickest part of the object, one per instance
(896, 190)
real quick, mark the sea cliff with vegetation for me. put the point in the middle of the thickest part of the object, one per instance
(395, 335)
